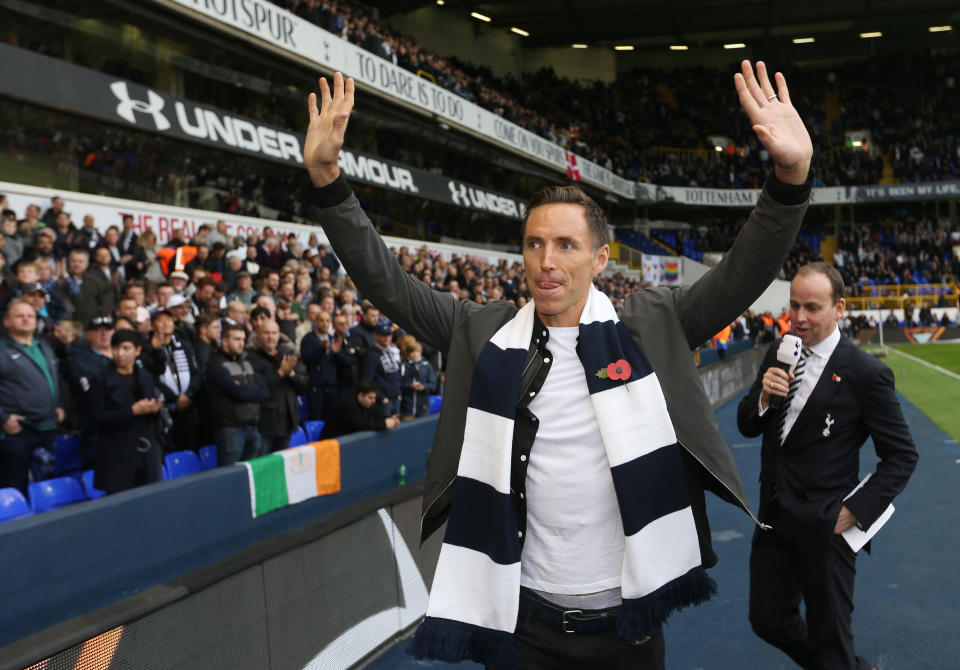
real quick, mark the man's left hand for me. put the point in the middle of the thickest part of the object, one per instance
(845, 521)
(776, 122)
(61, 415)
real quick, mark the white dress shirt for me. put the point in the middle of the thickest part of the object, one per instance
(816, 362)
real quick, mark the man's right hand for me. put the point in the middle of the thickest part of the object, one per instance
(392, 422)
(12, 425)
(146, 406)
(776, 381)
(321, 149)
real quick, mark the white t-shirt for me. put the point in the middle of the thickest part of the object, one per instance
(574, 542)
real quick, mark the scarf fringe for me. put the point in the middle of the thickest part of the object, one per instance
(455, 641)
(639, 617)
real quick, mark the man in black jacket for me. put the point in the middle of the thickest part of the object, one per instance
(358, 411)
(286, 377)
(123, 415)
(234, 393)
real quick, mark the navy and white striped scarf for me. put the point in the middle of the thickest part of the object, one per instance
(474, 600)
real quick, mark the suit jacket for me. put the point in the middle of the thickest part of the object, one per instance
(817, 466)
(667, 324)
(119, 431)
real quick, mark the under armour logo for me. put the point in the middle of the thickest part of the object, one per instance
(127, 106)
(459, 193)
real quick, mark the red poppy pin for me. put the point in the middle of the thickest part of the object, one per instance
(835, 378)
(617, 371)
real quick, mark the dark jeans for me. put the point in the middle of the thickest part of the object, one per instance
(320, 402)
(543, 646)
(184, 432)
(17, 457)
(239, 443)
(272, 444)
(780, 577)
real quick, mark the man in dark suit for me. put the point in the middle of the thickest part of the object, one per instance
(836, 398)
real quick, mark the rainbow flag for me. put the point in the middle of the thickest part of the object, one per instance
(293, 475)
(671, 270)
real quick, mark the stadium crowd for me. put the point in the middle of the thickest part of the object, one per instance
(903, 251)
(645, 110)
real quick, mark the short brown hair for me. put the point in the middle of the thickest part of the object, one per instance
(819, 267)
(574, 195)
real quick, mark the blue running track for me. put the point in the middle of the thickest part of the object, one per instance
(907, 600)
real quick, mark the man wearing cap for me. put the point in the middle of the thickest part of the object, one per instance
(178, 280)
(34, 293)
(31, 405)
(178, 306)
(172, 359)
(381, 365)
(85, 363)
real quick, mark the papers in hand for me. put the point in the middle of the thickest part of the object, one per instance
(855, 537)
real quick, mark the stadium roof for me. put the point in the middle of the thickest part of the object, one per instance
(650, 23)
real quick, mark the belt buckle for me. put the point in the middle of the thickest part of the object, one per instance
(564, 622)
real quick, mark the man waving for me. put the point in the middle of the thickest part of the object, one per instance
(574, 445)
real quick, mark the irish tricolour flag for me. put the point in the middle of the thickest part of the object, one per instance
(292, 475)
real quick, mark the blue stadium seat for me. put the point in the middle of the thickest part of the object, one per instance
(314, 428)
(13, 505)
(299, 437)
(208, 456)
(164, 473)
(435, 402)
(91, 492)
(66, 450)
(180, 463)
(55, 493)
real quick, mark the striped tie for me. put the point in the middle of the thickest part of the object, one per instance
(794, 385)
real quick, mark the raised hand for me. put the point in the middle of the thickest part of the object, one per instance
(327, 128)
(775, 121)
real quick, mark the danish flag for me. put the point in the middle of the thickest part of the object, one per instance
(573, 172)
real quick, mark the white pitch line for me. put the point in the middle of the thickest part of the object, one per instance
(927, 364)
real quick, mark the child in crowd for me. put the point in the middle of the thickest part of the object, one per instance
(417, 381)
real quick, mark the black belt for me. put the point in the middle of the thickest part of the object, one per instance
(568, 620)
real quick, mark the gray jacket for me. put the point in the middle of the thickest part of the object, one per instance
(667, 323)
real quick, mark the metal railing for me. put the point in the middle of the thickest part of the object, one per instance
(899, 296)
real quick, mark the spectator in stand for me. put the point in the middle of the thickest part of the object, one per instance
(12, 245)
(56, 206)
(172, 360)
(124, 404)
(381, 365)
(86, 294)
(234, 394)
(86, 362)
(90, 236)
(366, 330)
(356, 411)
(418, 382)
(208, 337)
(286, 378)
(320, 351)
(350, 357)
(31, 404)
(244, 291)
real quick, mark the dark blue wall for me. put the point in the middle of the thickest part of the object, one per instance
(67, 562)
